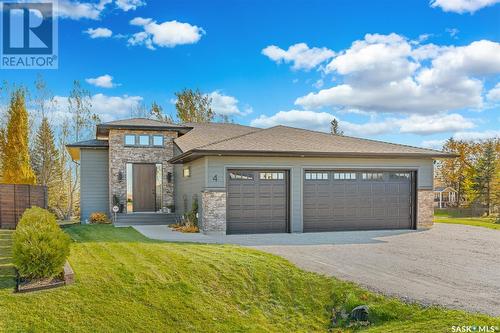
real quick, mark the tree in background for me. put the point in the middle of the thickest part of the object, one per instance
(16, 168)
(335, 127)
(454, 171)
(76, 127)
(82, 120)
(156, 112)
(483, 179)
(44, 156)
(193, 106)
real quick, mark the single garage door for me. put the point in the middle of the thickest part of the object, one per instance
(257, 201)
(357, 200)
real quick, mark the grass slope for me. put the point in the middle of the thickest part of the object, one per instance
(127, 283)
(474, 221)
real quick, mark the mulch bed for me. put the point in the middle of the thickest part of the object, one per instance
(66, 277)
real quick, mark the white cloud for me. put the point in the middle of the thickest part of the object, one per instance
(417, 124)
(166, 34)
(127, 5)
(453, 32)
(494, 94)
(320, 121)
(386, 73)
(76, 10)
(106, 107)
(433, 144)
(299, 54)
(462, 6)
(227, 105)
(489, 134)
(99, 32)
(103, 81)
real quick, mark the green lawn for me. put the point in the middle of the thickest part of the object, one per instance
(475, 221)
(127, 283)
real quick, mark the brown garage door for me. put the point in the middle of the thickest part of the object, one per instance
(257, 201)
(357, 200)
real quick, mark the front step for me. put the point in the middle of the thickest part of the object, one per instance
(131, 219)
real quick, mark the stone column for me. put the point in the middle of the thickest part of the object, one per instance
(425, 209)
(213, 212)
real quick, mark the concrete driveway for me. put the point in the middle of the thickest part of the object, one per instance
(455, 266)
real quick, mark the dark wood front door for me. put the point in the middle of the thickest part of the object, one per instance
(144, 191)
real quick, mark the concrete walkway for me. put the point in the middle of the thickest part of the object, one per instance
(455, 266)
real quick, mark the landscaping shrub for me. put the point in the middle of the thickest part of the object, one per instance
(99, 217)
(40, 247)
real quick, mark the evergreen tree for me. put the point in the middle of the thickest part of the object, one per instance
(45, 156)
(335, 127)
(16, 168)
(486, 167)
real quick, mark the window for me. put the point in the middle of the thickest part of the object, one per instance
(143, 140)
(129, 140)
(159, 185)
(241, 175)
(399, 175)
(372, 176)
(157, 140)
(316, 176)
(344, 175)
(272, 175)
(186, 172)
(130, 199)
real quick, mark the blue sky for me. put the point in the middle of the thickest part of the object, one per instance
(413, 72)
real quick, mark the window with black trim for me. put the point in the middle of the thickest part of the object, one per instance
(344, 175)
(143, 140)
(130, 140)
(158, 140)
(241, 175)
(272, 175)
(372, 176)
(321, 175)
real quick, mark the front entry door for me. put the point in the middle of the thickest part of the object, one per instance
(144, 185)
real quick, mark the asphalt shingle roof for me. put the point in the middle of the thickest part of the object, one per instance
(285, 140)
(207, 133)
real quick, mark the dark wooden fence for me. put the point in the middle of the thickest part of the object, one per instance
(15, 199)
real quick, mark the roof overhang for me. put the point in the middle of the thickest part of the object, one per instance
(75, 149)
(102, 130)
(197, 153)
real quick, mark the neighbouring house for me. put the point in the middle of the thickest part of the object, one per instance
(253, 180)
(445, 197)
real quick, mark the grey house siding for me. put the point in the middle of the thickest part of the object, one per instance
(218, 165)
(94, 182)
(187, 187)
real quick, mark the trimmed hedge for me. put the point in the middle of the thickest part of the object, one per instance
(40, 248)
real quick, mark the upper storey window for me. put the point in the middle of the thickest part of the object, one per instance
(129, 140)
(143, 140)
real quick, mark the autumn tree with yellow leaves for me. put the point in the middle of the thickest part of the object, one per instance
(14, 148)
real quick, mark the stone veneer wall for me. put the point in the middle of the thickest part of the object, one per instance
(120, 155)
(425, 208)
(214, 211)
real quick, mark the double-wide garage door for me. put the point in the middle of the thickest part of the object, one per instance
(257, 201)
(357, 200)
